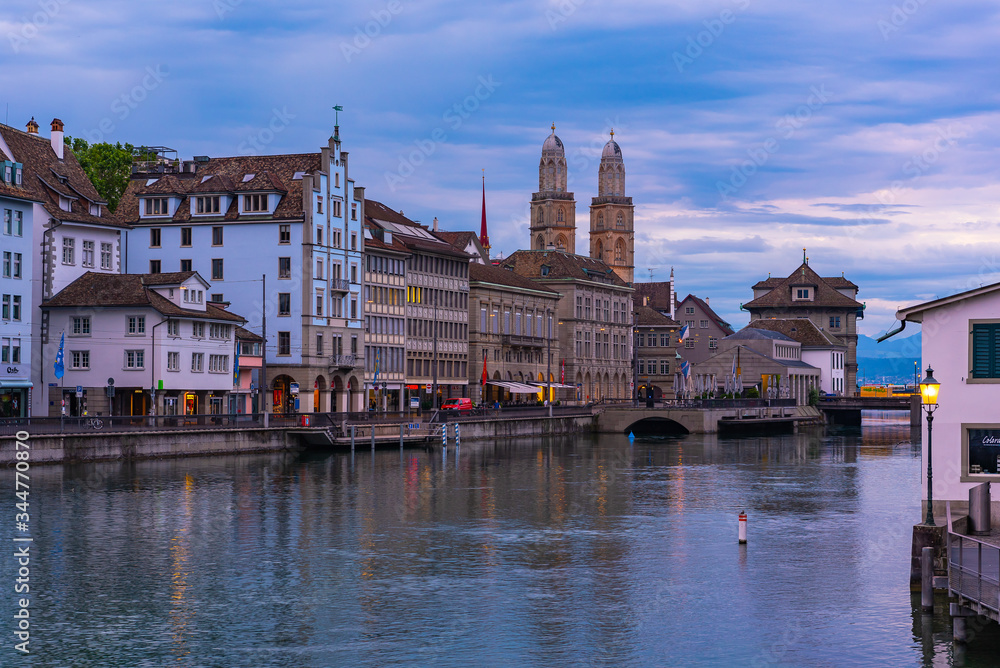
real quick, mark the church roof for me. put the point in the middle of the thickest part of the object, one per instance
(611, 150)
(553, 145)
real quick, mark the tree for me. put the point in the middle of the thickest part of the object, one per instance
(109, 166)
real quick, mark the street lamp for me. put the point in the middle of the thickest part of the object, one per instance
(928, 394)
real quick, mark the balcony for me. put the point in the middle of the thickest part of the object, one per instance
(523, 341)
(344, 361)
(340, 284)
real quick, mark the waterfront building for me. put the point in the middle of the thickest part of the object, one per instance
(437, 307)
(154, 338)
(18, 312)
(594, 317)
(819, 349)
(769, 361)
(385, 320)
(292, 221)
(830, 303)
(71, 232)
(705, 329)
(245, 397)
(656, 344)
(513, 337)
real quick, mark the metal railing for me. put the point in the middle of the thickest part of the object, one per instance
(340, 284)
(974, 570)
(91, 424)
(344, 361)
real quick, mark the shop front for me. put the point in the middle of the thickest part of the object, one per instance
(15, 398)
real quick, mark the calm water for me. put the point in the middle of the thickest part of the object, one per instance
(571, 552)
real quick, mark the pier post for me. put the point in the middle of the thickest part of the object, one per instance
(927, 579)
(959, 613)
(444, 435)
(373, 438)
(352, 437)
(458, 436)
(401, 436)
(743, 528)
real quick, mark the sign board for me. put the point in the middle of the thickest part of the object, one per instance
(296, 403)
(427, 387)
(414, 402)
(8, 370)
(293, 388)
(984, 451)
(79, 391)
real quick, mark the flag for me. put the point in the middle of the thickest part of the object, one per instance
(485, 375)
(562, 372)
(59, 367)
(683, 334)
(378, 358)
(236, 366)
(733, 375)
(686, 368)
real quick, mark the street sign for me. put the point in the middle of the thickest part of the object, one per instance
(427, 387)
(293, 388)
(414, 402)
(79, 391)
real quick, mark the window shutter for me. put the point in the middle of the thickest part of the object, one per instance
(986, 351)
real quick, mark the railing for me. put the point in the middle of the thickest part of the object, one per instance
(340, 284)
(126, 423)
(974, 570)
(344, 361)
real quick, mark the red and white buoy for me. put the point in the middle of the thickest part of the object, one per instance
(743, 527)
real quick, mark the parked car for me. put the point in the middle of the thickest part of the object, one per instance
(460, 404)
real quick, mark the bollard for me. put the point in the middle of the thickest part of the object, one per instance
(400, 436)
(373, 438)
(927, 579)
(352, 437)
(444, 435)
(458, 436)
(743, 527)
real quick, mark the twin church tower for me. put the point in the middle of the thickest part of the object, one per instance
(553, 209)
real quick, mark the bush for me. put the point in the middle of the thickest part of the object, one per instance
(752, 393)
(425, 404)
(813, 397)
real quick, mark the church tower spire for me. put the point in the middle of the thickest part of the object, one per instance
(612, 232)
(553, 210)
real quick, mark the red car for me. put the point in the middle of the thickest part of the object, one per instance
(460, 404)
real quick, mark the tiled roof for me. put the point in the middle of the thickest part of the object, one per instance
(722, 324)
(647, 316)
(483, 273)
(267, 173)
(98, 289)
(750, 334)
(802, 330)
(561, 265)
(658, 293)
(780, 296)
(459, 240)
(244, 334)
(40, 179)
(376, 211)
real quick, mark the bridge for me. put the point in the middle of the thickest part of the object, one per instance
(847, 410)
(702, 416)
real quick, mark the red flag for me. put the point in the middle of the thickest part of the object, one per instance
(562, 372)
(485, 375)
(484, 238)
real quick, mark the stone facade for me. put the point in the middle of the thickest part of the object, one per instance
(705, 329)
(612, 230)
(656, 353)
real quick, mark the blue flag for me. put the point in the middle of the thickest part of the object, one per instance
(59, 367)
(684, 333)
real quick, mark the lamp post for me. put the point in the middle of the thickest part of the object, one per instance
(928, 394)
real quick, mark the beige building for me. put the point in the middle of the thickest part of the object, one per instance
(705, 329)
(553, 209)
(512, 333)
(385, 319)
(656, 353)
(830, 303)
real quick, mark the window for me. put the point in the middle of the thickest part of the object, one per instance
(319, 302)
(354, 239)
(284, 234)
(284, 343)
(689, 342)
(79, 359)
(664, 367)
(185, 265)
(156, 206)
(216, 298)
(216, 236)
(319, 344)
(354, 308)
(87, 254)
(105, 255)
(137, 325)
(185, 236)
(354, 211)
(67, 251)
(284, 267)
(354, 272)
(284, 303)
(7, 214)
(207, 204)
(198, 330)
(255, 203)
(834, 322)
(173, 361)
(338, 209)
(319, 235)
(81, 326)
(689, 310)
(197, 362)
(15, 312)
(173, 328)
(135, 359)
(219, 331)
(319, 268)
(985, 350)
(802, 293)
(154, 266)
(154, 237)
(319, 204)
(6, 307)
(217, 269)
(6, 263)
(703, 324)
(713, 343)
(218, 363)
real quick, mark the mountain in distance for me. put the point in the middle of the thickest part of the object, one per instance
(890, 362)
(894, 347)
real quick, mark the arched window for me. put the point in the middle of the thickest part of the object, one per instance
(561, 242)
(620, 251)
(541, 216)
(539, 243)
(561, 215)
(600, 250)
(620, 222)
(600, 220)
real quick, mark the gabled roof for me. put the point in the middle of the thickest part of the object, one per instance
(751, 334)
(561, 265)
(802, 330)
(658, 293)
(244, 334)
(421, 239)
(916, 312)
(487, 273)
(40, 179)
(110, 290)
(264, 173)
(647, 316)
(726, 328)
(780, 296)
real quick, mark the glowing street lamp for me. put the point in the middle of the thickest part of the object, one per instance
(929, 387)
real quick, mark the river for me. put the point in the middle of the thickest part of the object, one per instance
(585, 551)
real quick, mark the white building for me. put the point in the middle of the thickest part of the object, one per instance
(71, 230)
(961, 342)
(820, 349)
(151, 336)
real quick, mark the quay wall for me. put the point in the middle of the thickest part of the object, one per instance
(478, 430)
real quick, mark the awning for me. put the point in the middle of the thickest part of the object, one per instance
(15, 383)
(515, 388)
(554, 385)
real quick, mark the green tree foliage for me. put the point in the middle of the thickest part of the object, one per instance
(109, 166)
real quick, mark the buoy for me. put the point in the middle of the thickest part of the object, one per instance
(743, 527)
(631, 437)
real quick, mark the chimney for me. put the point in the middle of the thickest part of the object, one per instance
(57, 138)
(32, 126)
(707, 301)
(435, 223)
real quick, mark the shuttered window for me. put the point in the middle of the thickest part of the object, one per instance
(986, 351)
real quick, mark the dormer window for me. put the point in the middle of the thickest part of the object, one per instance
(8, 173)
(254, 203)
(545, 270)
(803, 294)
(156, 206)
(95, 210)
(66, 204)
(248, 177)
(207, 204)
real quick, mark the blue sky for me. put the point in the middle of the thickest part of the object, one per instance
(863, 131)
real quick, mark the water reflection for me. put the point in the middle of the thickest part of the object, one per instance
(534, 552)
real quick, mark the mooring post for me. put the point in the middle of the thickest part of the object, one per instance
(373, 438)
(958, 627)
(401, 436)
(458, 436)
(927, 579)
(353, 427)
(444, 435)
(743, 527)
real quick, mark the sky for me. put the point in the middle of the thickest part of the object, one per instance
(863, 131)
